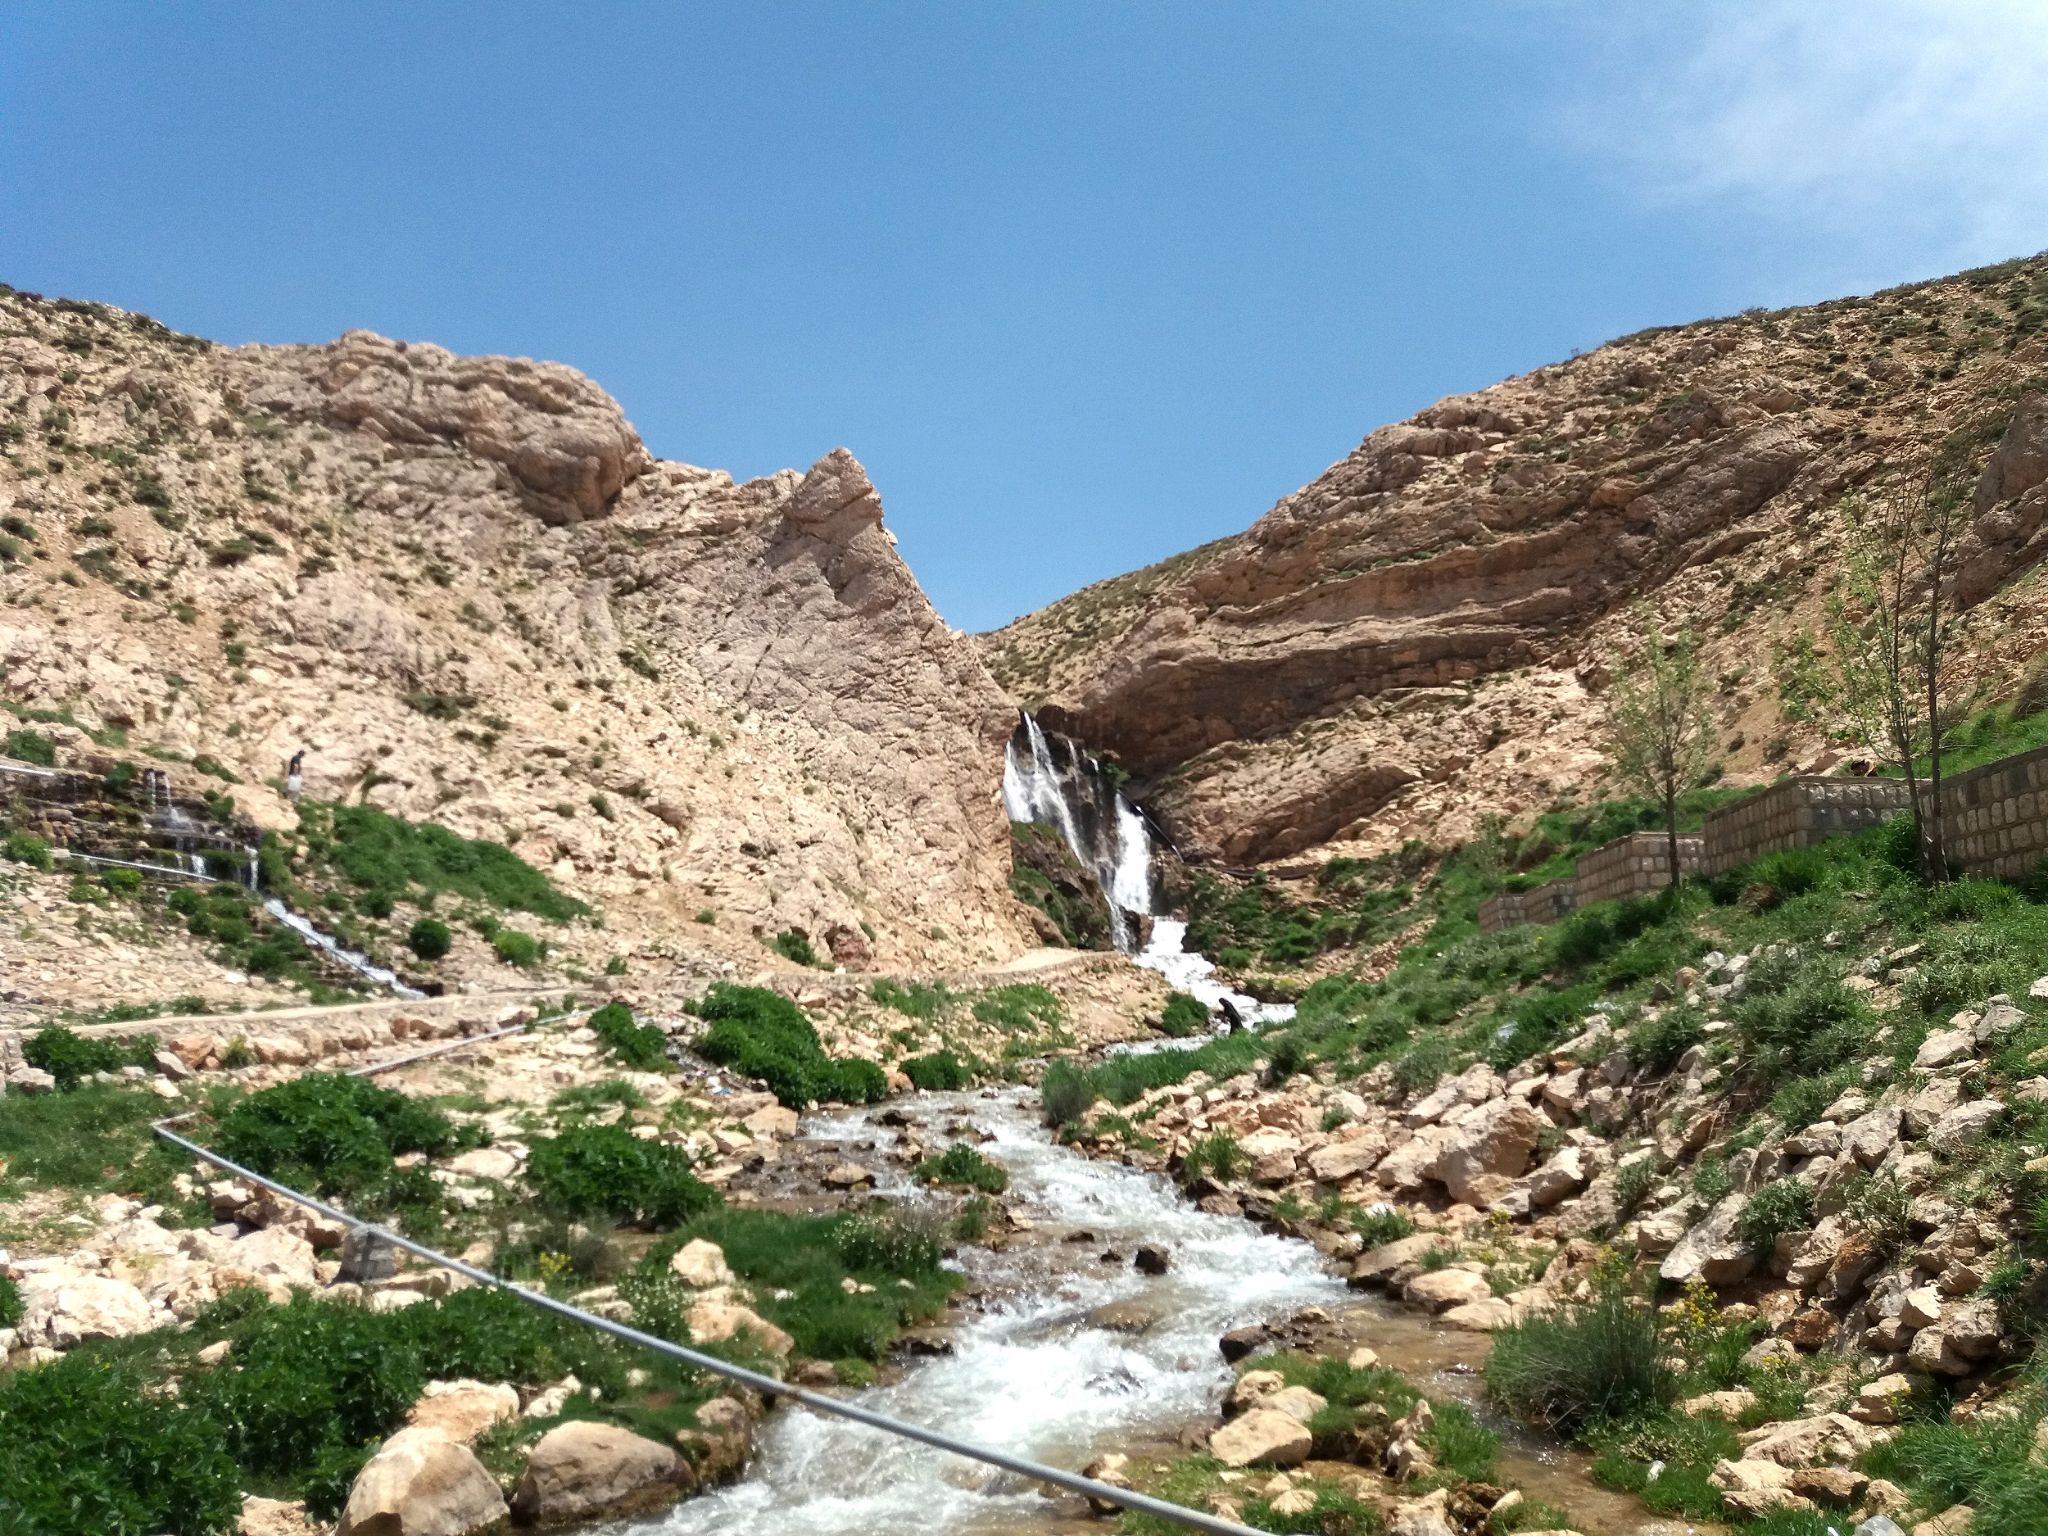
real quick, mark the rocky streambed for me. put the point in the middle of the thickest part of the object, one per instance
(1069, 1348)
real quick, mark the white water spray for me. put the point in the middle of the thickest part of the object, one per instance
(362, 965)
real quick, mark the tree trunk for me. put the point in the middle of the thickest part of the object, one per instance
(1671, 834)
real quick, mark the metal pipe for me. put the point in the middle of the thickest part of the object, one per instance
(1073, 1482)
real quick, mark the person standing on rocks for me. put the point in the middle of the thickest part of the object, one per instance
(294, 782)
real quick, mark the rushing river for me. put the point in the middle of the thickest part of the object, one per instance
(1036, 1373)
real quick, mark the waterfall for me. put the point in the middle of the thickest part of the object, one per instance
(362, 965)
(1051, 781)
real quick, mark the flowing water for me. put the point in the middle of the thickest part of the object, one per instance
(1036, 1373)
(362, 965)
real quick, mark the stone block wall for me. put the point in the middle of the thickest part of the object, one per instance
(1995, 818)
(1636, 865)
(1796, 814)
(1545, 904)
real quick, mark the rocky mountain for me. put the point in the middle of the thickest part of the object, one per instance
(1415, 637)
(468, 592)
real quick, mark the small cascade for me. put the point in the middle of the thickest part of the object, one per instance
(1051, 781)
(362, 965)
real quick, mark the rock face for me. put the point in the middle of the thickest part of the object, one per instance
(421, 1483)
(466, 589)
(1415, 637)
(585, 1471)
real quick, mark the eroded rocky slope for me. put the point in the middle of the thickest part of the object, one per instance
(468, 592)
(1416, 637)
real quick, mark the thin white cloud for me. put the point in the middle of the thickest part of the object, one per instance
(1909, 133)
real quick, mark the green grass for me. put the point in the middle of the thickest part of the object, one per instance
(938, 1072)
(375, 850)
(93, 1139)
(1183, 1017)
(1023, 1007)
(68, 1056)
(915, 999)
(1582, 1366)
(605, 1171)
(641, 1047)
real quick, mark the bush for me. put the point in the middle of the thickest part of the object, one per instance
(515, 948)
(377, 850)
(30, 747)
(938, 1072)
(430, 938)
(27, 848)
(69, 1057)
(914, 999)
(1064, 1093)
(1657, 1043)
(794, 944)
(331, 1134)
(1217, 1155)
(87, 1447)
(1378, 1225)
(605, 1170)
(1777, 1208)
(1183, 1017)
(962, 1165)
(305, 1377)
(1021, 1008)
(639, 1046)
(762, 1034)
(1582, 1365)
(10, 1303)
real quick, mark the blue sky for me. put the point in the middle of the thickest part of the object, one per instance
(1083, 284)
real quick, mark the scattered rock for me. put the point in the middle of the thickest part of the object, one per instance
(587, 1471)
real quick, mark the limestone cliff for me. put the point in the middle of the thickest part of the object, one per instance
(466, 589)
(1415, 637)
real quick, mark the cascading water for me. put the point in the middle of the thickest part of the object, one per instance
(1043, 1370)
(362, 965)
(1051, 781)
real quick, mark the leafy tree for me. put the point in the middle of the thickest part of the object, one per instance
(1660, 728)
(1891, 625)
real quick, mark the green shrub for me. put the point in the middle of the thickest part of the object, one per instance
(639, 1046)
(377, 850)
(1217, 1155)
(1634, 1183)
(515, 948)
(1657, 1043)
(1064, 1093)
(30, 747)
(1184, 1016)
(305, 1377)
(938, 1072)
(1785, 1205)
(331, 1134)
(762, 1034)
(27, 848)
(429, 938)
(962, 1165)
(1379, 1225)
(10, 1303)
(605, 1170)
(794, 945)
(1581, 1365)
(68, 1056)
(85, 1446)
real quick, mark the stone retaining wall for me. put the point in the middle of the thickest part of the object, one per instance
(1995, 818)
(1796, 814)
(1545, 904)
(1636, 865)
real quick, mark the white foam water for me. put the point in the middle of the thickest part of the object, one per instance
(1195, 974)
(1032, 1375)
(362, 965)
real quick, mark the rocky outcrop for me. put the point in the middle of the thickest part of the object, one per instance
(467, 591)
(1416, 636)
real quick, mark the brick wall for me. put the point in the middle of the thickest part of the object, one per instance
(1636, 865)
(1995, 818)
(1545, 904)
(1795, 814)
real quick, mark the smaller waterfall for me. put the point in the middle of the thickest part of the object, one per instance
(362, 965)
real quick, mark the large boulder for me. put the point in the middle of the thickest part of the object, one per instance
(584, 1471)
(64, 1309)
(421, 1483)
(713, 1322)
(1711, 1251)
(1497, 1143)
(463, 1410)
(1264, 1437)
(700, 1264)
